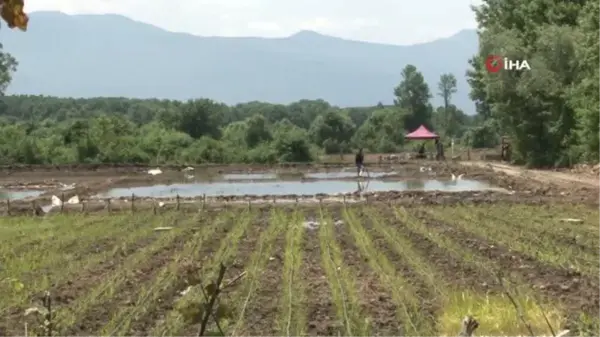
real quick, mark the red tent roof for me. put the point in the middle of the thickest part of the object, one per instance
(422, 133)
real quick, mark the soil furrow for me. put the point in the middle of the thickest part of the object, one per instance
(100, 313)
(577, 291)
(245, 248)
(66, 292)
(376, 300)
(262, 316)
(321, 313)
(157, 310)
(455, 272)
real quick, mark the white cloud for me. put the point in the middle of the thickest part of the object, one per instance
(388, 21)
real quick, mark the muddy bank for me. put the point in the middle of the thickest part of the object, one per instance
(136, 204)
(136, 176)
(517, 188)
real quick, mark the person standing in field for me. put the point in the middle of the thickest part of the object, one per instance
(359, 161)
(439, 147)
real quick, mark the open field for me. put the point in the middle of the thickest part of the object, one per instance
(404, 262)
(353, 270)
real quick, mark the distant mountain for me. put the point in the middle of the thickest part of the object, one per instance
(111, 55)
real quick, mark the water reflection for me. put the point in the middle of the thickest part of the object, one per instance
(293, 187)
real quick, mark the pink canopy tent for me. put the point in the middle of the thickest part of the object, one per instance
(422, 133)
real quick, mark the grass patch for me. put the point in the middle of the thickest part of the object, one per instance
(342, 282)
(497, 315)
(292, 318)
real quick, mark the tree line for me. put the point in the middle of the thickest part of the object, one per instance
(551, 112)
(51, 130)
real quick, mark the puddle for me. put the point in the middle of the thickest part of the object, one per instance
(291, 187)
(250, 176)
(345, 174)
(18, 195)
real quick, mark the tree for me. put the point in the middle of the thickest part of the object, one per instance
(539, 109)
(381, 132)
(257, 131)
(334, 128)
(197, 118)
(8, 65)
(412, 95)
(584, 96)
(446, 88)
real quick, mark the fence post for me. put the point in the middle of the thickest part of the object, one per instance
(249, 204)
(62, 204)
(8, 206)
(132, 203)
(177, 206)
(154, 206)
(33, 208)
(108, 205)
(344, 199)
(204, 201)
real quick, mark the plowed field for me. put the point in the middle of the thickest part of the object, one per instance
(377, 269)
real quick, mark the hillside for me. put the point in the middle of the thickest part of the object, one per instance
(111, 55)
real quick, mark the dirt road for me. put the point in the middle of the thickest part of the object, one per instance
(539, 175)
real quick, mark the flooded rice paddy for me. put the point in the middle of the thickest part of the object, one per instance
(292, 187)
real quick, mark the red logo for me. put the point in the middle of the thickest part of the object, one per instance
(494, 63)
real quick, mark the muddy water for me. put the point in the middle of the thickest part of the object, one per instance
(292, 187)
(346, 174)
(250, 176)
(18, 195)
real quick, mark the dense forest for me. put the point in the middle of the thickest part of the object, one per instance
(40, 130)
(550, 113)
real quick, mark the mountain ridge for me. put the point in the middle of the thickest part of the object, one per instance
(95, 55)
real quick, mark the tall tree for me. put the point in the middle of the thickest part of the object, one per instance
(412, 95)
(446, 88)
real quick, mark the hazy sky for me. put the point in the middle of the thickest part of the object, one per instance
(388, 21)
